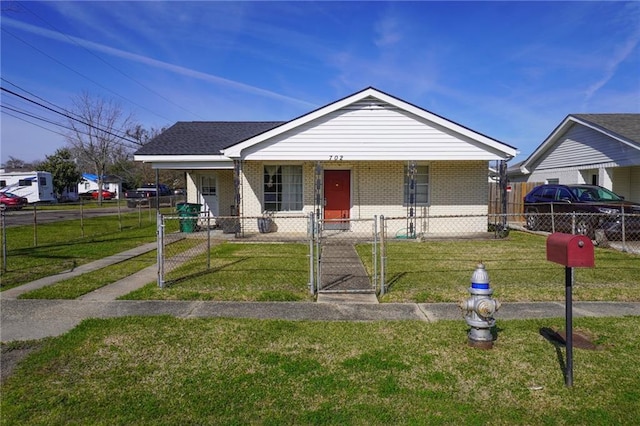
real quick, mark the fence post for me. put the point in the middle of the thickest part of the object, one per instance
(624, 235)
(35, 224)
(311, 228)
(119, 214)
(383, 255)
(4, 238)
(160, 251)
(208, 239)
(318, 252)
(81, 218)
(375, 253)
(553, 219)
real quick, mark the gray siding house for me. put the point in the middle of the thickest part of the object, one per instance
(600, 149)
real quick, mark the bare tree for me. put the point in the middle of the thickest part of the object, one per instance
(14, 163)
(98, 132)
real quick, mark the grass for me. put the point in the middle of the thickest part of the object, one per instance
(75, 287)
(239, 271)
(165, 371)
(431, 271)
(440, 271)
(434, 271)
(61, 246)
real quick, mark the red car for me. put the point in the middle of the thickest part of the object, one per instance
(12, 201)
(93, 195)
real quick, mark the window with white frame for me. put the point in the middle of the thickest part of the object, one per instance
(208, 186)
(282, 188)
(421, 183)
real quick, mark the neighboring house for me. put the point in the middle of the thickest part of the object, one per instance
(515, 174)
(69, 194)
(601, 149)
(110, 183)
(347, 160)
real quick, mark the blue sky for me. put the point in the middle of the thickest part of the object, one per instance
(510, 70)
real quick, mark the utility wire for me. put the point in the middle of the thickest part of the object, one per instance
(84, 76)
(54, 123)
(4, 106)
(64, 114)
(36, 96)
(109, 64)
(30, 122)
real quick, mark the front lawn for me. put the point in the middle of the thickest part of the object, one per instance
(238, 271)
(167, 371)
(440, 271)
(61, 245)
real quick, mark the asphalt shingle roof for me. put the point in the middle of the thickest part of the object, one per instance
(204, 137)
(626, 125)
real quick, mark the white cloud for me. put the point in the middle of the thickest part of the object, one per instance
(621, 54)
(387, 32)
(155, 63)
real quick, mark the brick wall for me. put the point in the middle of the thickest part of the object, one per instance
(456, 188)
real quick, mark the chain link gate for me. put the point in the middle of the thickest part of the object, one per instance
(337, 265)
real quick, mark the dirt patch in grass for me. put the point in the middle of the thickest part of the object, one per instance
(12, 354)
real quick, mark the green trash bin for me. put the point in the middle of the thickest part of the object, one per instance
(188, 214)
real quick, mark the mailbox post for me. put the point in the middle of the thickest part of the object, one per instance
(572, 251)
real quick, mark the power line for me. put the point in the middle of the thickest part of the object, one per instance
(35, 96)
(110, 65)
(30, 122)
(65, 114)
(84, 76)
(17, 110)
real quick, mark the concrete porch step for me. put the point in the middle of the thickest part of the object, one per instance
(339, 298)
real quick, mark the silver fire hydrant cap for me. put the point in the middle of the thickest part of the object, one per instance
(480, 275)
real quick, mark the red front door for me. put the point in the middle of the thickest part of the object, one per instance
(337, 194)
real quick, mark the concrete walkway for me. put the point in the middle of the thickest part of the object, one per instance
(13, 293)
(35, 319)
(342, 270)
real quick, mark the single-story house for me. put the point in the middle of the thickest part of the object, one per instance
(367, 154)
(599, 149)
(110, 183)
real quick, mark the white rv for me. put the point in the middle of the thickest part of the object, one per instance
(34, 186)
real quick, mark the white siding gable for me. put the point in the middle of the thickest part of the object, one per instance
(581, 146)
(370, 129)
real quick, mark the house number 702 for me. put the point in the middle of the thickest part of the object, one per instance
(335, 158)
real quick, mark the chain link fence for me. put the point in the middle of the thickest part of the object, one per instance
(364, 255)
(609, 225)
(218, 255)
(41, 226)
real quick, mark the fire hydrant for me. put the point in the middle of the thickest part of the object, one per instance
(478, 310)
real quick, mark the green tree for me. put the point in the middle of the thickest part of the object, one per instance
(63, 169)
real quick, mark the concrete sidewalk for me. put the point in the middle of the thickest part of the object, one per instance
(35, 319)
